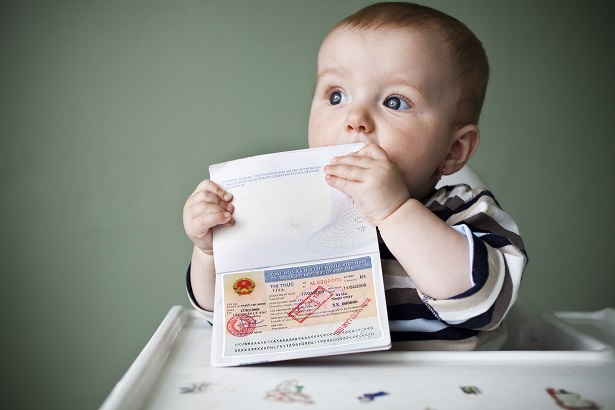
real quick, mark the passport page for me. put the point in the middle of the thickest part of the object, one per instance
(286, 213)
(299, 274)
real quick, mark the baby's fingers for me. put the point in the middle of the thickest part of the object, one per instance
(345, 171)
(199, 208)
(204, 222)
(373, 151)
(202, 216)
(210, 186)
(207, 197)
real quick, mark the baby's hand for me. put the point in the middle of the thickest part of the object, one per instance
(208, 206)
(370, 178)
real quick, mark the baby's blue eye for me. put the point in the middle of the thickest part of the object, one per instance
(396, 103)
(337, 97)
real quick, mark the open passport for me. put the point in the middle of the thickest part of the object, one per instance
(299, 273)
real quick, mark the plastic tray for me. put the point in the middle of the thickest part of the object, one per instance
(173, 372)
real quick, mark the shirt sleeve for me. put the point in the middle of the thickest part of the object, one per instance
(208, 315)
(465, 231)
(498, 258)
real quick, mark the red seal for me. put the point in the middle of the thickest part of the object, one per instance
(244, 286)
(241, 325)
(310, 304)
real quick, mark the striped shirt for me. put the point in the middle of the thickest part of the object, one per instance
(473, 319)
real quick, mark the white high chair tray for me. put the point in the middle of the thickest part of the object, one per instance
(173, 372)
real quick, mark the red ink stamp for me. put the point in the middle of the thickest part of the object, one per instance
(310, 304)
(241, 325)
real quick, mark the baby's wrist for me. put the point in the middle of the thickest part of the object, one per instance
(204, 251)
(396, 216)
(394, 205)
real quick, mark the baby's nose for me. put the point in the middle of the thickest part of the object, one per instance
(359, 121)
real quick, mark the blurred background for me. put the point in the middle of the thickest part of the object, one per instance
(112, 111)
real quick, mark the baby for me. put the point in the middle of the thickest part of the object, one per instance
(409, 82)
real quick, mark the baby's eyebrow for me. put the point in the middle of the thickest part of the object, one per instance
(336, 71)
(406, 83)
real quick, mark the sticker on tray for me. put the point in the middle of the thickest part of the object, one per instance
(194, 388)
(288, 391)
(367, 397)
(569, 400)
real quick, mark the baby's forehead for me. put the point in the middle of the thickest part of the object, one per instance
(402, 33)
(385, 42)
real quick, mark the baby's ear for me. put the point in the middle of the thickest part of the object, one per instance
(463, 145)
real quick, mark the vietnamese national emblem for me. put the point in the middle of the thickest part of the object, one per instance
(244, 286)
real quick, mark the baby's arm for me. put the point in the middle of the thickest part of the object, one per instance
(435, 256)
(208, 206)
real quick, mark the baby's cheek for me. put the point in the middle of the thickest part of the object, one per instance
(317, 142)
(322, 134)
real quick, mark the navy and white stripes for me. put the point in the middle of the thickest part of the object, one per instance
(473, 319)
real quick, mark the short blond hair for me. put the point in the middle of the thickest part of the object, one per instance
(471, 66)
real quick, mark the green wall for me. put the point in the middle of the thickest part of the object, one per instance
(111, 112)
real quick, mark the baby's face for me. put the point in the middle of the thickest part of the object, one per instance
(392, 88)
